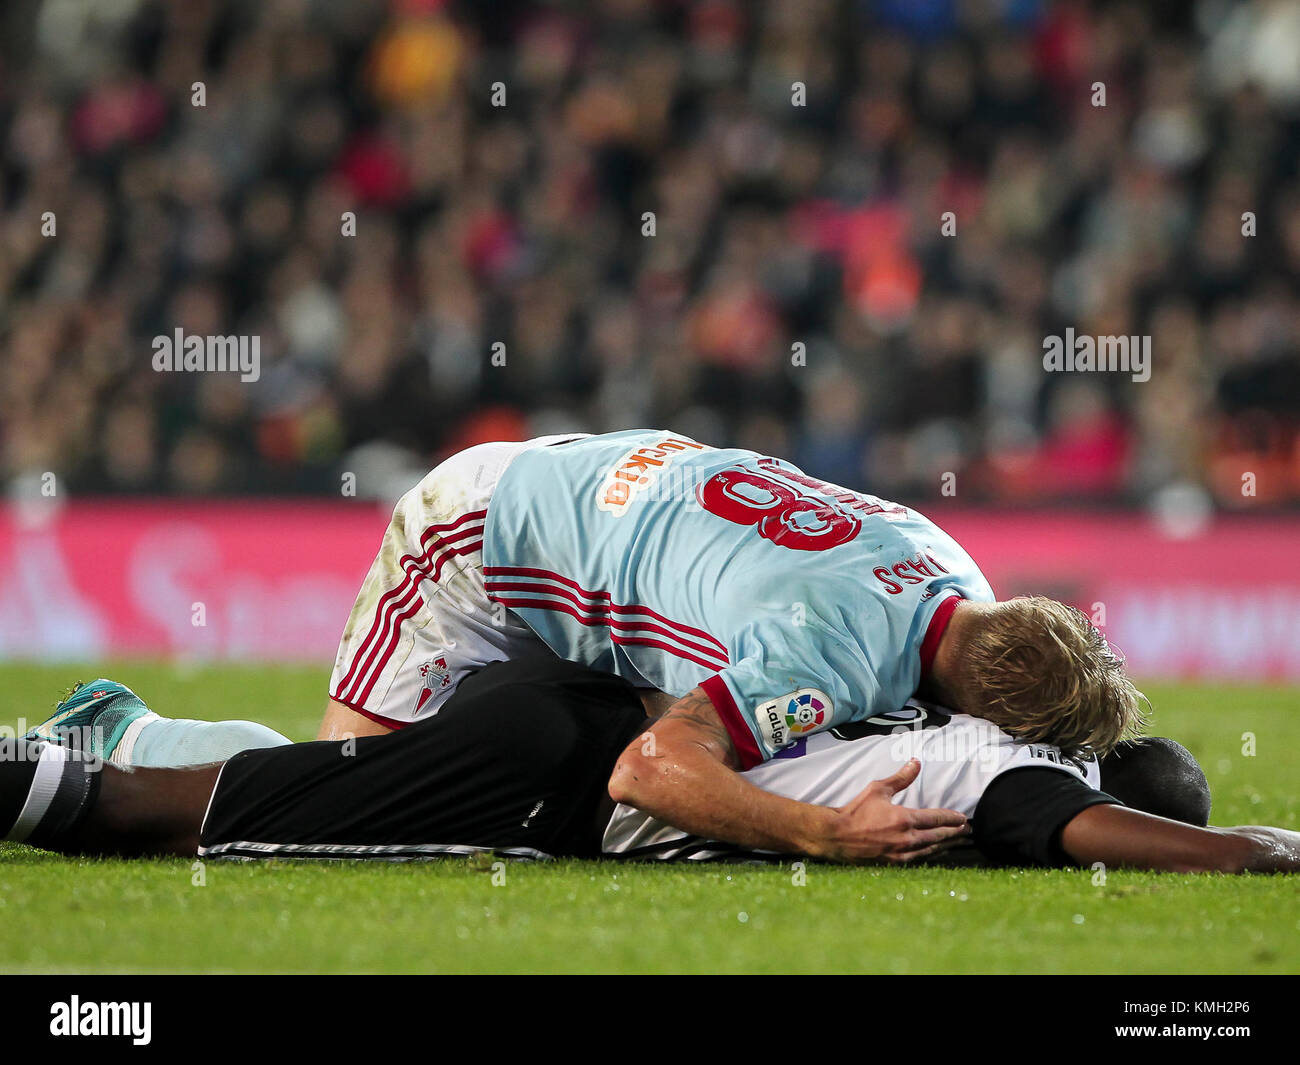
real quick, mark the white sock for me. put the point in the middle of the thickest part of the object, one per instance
(160, 742)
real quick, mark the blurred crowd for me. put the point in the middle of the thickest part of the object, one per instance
(833, 231)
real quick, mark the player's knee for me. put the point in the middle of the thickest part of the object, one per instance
(342, 722)
(249, 735)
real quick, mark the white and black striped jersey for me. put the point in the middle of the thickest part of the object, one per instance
(961, 756)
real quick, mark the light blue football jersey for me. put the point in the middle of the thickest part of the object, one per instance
(797, 604)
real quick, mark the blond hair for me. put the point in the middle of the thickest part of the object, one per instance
(1041, 671)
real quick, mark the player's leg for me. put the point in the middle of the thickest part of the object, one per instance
(518, 762)
(422, 620)
(342, 722)
(108, 720)
(66, 800)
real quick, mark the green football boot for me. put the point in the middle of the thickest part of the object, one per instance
(92, 718)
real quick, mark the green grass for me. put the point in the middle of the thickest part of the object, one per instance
(62, 915)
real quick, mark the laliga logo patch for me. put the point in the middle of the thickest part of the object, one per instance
(805, 712)
(787, 717)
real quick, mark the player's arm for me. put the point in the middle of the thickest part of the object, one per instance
(1118, 836)
(684, 771)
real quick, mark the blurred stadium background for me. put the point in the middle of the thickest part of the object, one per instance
(135, 495)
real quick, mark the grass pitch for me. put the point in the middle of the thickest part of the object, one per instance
(457, 916)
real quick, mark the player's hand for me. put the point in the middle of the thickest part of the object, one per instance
(872, 828)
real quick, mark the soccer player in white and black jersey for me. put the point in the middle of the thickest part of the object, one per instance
(1019, 797)
(519, 760)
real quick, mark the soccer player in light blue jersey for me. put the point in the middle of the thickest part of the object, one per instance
(766, 603)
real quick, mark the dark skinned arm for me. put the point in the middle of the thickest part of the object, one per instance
(1118, 836)
(684, 771)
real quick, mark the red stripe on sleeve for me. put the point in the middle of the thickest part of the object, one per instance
(934, 633)
(720, 695)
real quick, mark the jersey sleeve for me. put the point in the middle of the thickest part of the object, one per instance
(792, 681)
(1020, 816)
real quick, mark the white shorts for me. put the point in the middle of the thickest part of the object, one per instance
(422, 620)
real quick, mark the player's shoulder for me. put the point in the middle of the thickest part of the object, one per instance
(1001, 752)
(939, 735)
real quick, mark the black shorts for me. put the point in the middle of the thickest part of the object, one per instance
(517, 761)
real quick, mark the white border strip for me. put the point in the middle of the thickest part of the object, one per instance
(389, 851)
(49, 771)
